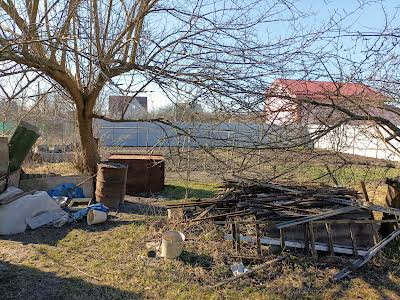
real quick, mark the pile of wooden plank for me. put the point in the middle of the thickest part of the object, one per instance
(315, 219)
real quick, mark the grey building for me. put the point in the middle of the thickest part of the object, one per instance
(135, 108)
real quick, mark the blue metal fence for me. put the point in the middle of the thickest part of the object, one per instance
(147, 134)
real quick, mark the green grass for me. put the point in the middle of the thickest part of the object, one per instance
(176, 190)
(346, 175)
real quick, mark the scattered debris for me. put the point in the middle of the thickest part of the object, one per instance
(310, 218)
(367, 256)
(78, 204)
(262, 266)
(83, 212)
(238, 268)
(61, 200)
(47, 218)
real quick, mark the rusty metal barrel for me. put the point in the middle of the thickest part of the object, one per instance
(111, 183)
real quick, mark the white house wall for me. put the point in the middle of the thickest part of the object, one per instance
(361, 140)
(280, 111)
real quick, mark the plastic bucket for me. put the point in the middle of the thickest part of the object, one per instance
(172, 244)
(96, 216)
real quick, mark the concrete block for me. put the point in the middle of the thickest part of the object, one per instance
(47, 183)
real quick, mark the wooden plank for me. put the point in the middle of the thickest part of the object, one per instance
(281, 207)
(367, 256)
(306, 239)
(204, 212)
(323, 215)
(237, 238)
(231, 214)
(353, 240)
(312, 240)
(347, 221)
(234, 235)
(298, 244)
(233, 278)
(270, 185)
(364, 190)
(258, 243)
(330, 238)
(282, 238)
(366, 205)
(375, 233)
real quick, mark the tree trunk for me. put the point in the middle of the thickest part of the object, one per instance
(89, 148)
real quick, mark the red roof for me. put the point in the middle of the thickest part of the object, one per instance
(324, 89)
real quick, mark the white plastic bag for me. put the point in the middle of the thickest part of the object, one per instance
(13, 215)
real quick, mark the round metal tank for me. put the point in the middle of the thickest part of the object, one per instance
(111, 183)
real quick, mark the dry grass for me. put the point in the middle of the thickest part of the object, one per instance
(109, 261)
(63, 168)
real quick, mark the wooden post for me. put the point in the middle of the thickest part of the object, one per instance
(234, 235)
(312, 240)
(237, 244)
(330, 240)
(306, 239)
(258, 242)
(364, 190)
(282, 238)
(353, 240)
(375, 234)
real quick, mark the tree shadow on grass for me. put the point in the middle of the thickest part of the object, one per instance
(196, 260)
(370, 278)
(144, 208)
(51, 235)
(378, 274)
(21, 282)
(176, 192)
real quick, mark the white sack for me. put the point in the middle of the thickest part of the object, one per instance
(13, 215)
(10, 192)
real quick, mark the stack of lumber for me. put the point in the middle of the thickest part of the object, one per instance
(316, 218)
(275, 202)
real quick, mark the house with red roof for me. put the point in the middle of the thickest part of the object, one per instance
(354, 109)
(321, 102)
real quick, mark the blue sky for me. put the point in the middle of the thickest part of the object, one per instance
(365, 16)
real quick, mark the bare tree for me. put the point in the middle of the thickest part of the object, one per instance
(207, 50)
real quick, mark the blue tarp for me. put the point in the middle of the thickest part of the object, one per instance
(69, 190)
